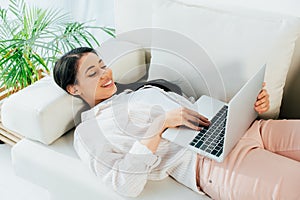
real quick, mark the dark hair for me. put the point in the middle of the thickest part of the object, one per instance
(65, 69)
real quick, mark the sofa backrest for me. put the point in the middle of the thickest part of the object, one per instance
(136, 14)
(290, 107)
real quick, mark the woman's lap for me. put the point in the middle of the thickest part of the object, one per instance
(252, 172)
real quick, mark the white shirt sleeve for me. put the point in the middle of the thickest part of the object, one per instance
(127, 165)
(139, 149)
(126, 173)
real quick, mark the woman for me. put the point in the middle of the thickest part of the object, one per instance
(263, 165)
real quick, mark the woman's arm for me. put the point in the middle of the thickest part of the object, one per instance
(125, 172)
(192, 119)
(129, 173)
(174, 118)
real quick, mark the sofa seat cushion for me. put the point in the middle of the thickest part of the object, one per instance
(57, 168)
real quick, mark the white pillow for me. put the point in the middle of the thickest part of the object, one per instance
(237, 40)
(126, 59)
(43, 111)
(132, 14)
(290, 7)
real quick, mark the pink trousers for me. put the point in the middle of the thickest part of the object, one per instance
(265, 164)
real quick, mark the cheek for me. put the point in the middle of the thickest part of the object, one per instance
(90, 87)
(109, 71)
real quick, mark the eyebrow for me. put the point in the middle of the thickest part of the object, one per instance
(90, 67)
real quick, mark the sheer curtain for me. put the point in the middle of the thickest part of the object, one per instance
(96, 12)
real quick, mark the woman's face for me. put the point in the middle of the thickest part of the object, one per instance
(94, 80)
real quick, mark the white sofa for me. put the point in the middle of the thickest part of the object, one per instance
(47, 157)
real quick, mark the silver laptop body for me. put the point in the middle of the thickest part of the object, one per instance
(229, 121)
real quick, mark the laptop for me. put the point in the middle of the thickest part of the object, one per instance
(229, 121)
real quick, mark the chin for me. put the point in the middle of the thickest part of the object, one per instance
(109, 93)
(115, 90)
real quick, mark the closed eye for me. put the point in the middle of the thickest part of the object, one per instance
(92, 74)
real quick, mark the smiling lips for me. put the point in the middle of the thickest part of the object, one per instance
(107, 84)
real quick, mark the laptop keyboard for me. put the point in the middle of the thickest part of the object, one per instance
(211, 139)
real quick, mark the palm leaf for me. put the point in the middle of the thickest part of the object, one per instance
(33, 38)
(17, 7)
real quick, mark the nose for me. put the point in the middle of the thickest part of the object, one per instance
(105, 72)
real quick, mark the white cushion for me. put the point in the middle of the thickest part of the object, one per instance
(132, 14)
(291, 7)
(41, 111)
(290, 107)
(237, 40)
(126, 59)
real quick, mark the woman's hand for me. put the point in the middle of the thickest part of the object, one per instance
(262, 103)
(184, 116)
(177, 117)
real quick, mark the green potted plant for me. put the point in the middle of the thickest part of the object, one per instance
(32, 38)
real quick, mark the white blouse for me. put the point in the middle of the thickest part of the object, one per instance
(108, 141)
